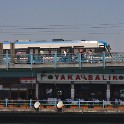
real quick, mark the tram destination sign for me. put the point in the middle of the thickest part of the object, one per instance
(79, 77)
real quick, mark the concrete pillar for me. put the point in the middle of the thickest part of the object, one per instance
(108, 91)
(37, 90)
(72, 90)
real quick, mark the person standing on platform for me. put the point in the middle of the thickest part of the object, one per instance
(82, 53)
(90, 56)
(64, 55)
(18, 56)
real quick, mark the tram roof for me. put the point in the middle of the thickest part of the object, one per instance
(58, 42)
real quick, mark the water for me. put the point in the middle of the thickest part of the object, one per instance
(46, 119)
(65, 122)
(62, 121)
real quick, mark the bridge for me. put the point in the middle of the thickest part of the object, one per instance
(40, 75)
(59, 61)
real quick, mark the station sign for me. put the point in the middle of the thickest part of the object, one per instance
(79, 77)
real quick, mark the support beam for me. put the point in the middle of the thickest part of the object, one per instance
(37, 90)
(108, 91)
(72, 90)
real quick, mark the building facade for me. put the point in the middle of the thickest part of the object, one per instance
(65, 82)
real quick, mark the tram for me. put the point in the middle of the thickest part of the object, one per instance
(56, 45)
(22, 49)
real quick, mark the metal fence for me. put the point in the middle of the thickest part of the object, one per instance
(66, 103)
(55, 58)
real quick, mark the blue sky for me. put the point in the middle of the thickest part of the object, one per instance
(67, 19)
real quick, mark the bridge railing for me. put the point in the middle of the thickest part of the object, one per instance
(66, 104)
(55, 58)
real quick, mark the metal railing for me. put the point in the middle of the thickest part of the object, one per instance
(53, 103)
(56, 59)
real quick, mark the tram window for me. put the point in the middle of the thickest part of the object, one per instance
(31, 51)
(49, 51)
(76, 51)
(36, 51)
(97, 50)
(89, 50)
(23, 51)
(52, 51)
(68, 49)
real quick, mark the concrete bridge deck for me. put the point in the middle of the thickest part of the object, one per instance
(21, 115)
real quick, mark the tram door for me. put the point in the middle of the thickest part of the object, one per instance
(36, 56)
(34, 50)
